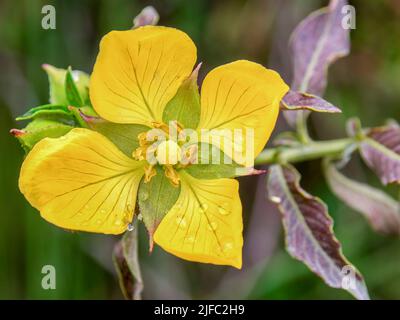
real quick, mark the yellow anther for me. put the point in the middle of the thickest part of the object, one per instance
(172, 175)
(149, 172)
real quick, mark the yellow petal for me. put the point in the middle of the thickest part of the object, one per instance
(241, 95)
(81, 182)
(138, 71)
(205, 224)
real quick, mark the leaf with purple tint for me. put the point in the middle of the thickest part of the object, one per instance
(126, 262)
(381, 210)
(148, 16)
(309, 232)
(315, 44)
(304, 101)
(380, 150)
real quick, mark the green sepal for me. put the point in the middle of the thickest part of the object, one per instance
(213, 163)
(48, 111)
(39, 129)
(124, 136)
(185, 105)
(155, 199)
(71, 90)
(57, 85)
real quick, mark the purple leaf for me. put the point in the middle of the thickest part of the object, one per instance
(382, 211)
(297, 101)
(316, 43)
(126, 262)
(148, 16)
(309, 232)
(380, 150)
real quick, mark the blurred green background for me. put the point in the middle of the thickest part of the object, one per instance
(365, 84)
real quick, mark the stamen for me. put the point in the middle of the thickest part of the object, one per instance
(172, 175)
(149, 172)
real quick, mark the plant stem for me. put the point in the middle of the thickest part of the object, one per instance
(310, 151)
(301, 126)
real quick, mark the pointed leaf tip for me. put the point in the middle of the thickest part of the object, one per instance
(294, 100)
(148, 16)
(309, 232)
(381, 210)
(380, 150)
(17, 132)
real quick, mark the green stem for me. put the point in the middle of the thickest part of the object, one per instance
(310, 151)
(301, 126)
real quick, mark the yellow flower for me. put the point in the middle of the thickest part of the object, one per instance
(82, 181)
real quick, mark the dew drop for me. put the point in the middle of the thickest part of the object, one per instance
(227, 247)
(212, 226)
(223, 211)
(98, 221)
(203, 207)
(178, 206)
(275, 199)
(102, 211)
(118, 222)
(181, 222)
(189, 239)
(86, 207)
(130, 227)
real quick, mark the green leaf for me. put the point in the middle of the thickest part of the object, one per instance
(126, 261)
(212, 163)
(155, 199)
(124, 136)
(47, 111)
(39, 129)
(185, 106)
(57, 84)
(71, 90)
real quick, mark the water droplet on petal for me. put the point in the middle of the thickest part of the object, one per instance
(189, 239)
(227, 247)
(98, 221)
(177, 206)
(223, 211)
(130, 227)
(275, 199)
(203, 207)
(118, 222)
(181, 222)
(102, 211)
(212, 226)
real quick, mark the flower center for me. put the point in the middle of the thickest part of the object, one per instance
(159, 146)
(168, 153)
